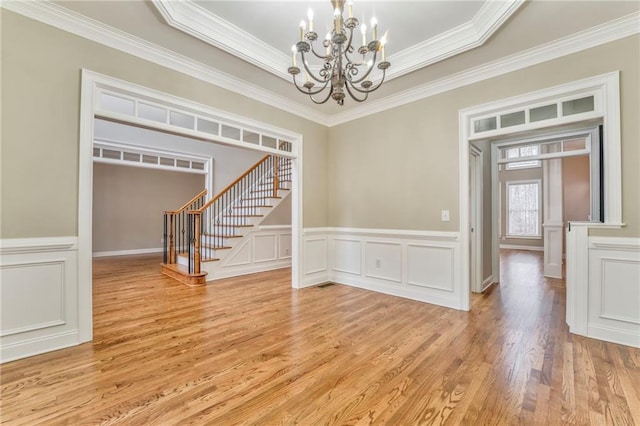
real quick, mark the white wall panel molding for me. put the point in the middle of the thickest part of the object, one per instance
(265, 249)
(39, 303)
(419, 265)
(614, 290)
(127, 252)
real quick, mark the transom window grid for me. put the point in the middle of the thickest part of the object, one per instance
(121, 154)
(523, 209)
(558, 109)
(523, 152)
(209, 127)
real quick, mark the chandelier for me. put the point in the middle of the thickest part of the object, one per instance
(344, 68)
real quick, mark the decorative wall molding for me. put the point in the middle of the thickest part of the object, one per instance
(75, 23)
(614, 290)
(39, 287)
(419, 265)
(265, 249)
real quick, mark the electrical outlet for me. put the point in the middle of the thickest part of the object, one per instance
(445, 215)
(378, 263)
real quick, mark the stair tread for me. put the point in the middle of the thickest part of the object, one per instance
(222, 236)
(201, 260)
(260, 198)
(243, 215)
(182, 269)
(215, 247)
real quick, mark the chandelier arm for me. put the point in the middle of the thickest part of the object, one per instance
(309, 92)
(366, 74)
(324, 73)
(313, 50)
(371, 89)
(322, 101)
(353, 96)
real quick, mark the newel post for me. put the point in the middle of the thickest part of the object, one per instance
(172, 249)
(196, 244)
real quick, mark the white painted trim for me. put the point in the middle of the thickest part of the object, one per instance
(127, 252)
(91, 29)
(608, 86)
(92, 83)
(538, 182)
(75, 23)
(592, 37)
(615, 243)
(38, 345)
(395, 233)
(462, 38)
(37, 245)
(486, 283)
(520, 247)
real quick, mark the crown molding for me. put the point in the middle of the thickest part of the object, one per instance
(187, 16)
(62, 18)
(457, 40)
(72, 22)
(605, 33)
(193, 19)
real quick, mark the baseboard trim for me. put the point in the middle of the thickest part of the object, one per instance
(520, 247)
(39, 345)
(127, 252)
(487, 282)
(613, 335)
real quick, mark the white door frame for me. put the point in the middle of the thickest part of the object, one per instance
(92, 82)
(606, 90)
(476, 221)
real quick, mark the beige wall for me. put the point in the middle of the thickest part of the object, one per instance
(399, 168)
(41, 70)
(512, 175)
(128, 203)
(395, 169)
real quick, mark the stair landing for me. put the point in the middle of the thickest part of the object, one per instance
(180, 273)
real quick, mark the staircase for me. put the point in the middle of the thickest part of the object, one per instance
(202, 232)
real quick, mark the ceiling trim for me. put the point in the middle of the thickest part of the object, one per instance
(75, 23)
(457, 40)
(604, 33)
(191, 18)
(67, 20)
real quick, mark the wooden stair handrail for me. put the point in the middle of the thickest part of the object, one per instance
(211, 201)
(188, 203)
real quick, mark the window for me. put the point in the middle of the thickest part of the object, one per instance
(520, 152)
(523, 209)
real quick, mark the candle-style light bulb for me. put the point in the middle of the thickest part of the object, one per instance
(363, 30)
(310, 16)
(328, 38)
(293, 55)
(337, 15)
(303, 26)
(350, 4)
(374, 27)
(383, 41)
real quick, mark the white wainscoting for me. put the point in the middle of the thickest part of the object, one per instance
(39, 296)
(315, 257)
(265, 249)
(419, 265)
(614, 290)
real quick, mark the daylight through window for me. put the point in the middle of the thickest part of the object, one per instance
(523, 204)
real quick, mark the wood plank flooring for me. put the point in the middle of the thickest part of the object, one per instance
(251, 350)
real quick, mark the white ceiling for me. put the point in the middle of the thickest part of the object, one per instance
(263, 32)
(472, 36)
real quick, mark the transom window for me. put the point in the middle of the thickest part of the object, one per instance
(523, 152)
(523, 209)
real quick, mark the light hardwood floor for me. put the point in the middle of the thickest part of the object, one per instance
(251, 350)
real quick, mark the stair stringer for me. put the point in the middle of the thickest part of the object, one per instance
(228, 265)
